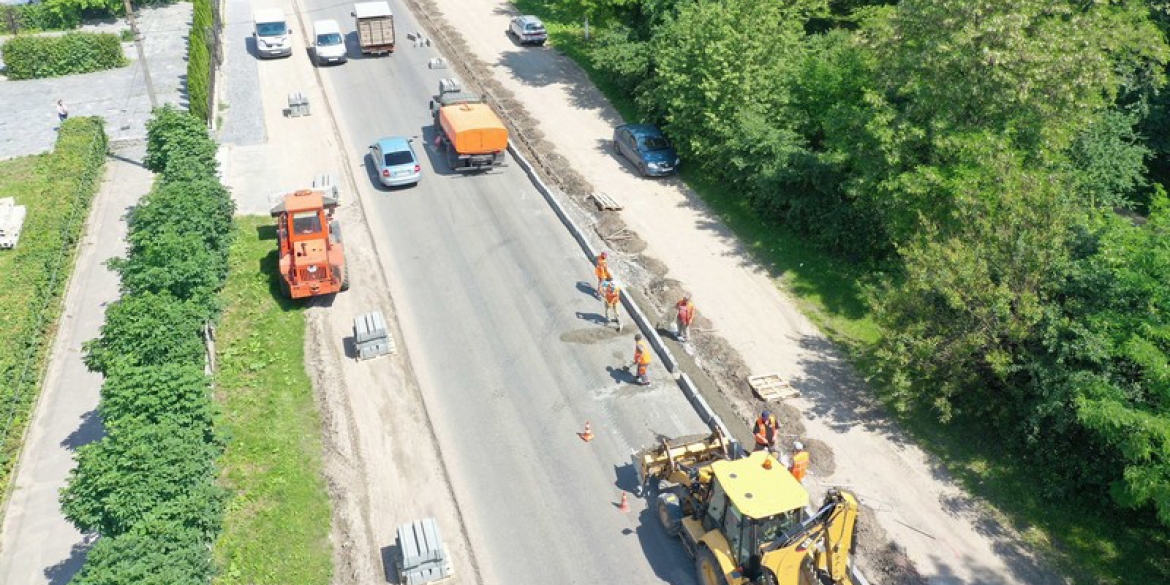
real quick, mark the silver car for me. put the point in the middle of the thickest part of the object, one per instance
(395, 162)
(528, 29)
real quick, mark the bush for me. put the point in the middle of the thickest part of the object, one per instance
(174, 133)
(199, 60)
(36, 57)
(143, 395)
(148, 329)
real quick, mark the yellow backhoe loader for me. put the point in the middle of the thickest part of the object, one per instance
(744, 518)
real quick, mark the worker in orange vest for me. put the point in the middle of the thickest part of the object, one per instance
(613, 302)
(799, 464)
(764, 431)
(686, 315)
(601, 269)
(641, 360)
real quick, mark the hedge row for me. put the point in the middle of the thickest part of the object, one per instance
(36, 57)
(149, 486)
(57, 193)
(199, 60)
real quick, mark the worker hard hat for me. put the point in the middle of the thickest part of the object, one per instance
(637, 337)
(604, 255)
(798, 446)
(765, 415)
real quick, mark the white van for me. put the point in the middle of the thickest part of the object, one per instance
(272, 33)
(328, 42)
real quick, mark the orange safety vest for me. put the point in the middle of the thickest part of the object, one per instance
(602, 269)
(799, 465)
(641, 354)
(612, 296)
(765, 430)
(686, 311)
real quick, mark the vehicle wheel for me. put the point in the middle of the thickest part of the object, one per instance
(670, 513)
(540, 43)
(344, 278)
(707, 568)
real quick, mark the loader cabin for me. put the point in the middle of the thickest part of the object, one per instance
(753, 503)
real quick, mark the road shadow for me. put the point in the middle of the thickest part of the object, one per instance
(625, 478)
(592, 318)
(64, 571)
(114, 155)
(587, 288)
(666, 555)
(543, 66)
(87, 432)
(250, 46)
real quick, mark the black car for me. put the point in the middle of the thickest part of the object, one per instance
(646, 147)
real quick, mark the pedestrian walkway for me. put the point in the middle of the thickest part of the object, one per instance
(28, 116)
(37, 544)
(239, 81)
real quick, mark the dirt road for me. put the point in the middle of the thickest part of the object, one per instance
(947, 535)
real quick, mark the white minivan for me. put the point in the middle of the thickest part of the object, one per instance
(328, 42)
(272, 33)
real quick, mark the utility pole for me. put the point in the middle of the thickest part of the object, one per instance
(141, 54)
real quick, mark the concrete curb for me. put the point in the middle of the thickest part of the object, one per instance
(635, 312)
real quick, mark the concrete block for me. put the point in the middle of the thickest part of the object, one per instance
(420, 543)
(369, 327)
(298, 104)
(373, 349)
(325, 182)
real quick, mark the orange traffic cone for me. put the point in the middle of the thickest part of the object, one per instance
(625, 505)
(588, 434)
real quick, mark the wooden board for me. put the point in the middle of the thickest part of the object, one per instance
(771, 387)
(605, 202)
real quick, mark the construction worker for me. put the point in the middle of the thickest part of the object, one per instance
(799, 464)
(764, 431)
(686, 315)
(601, 269)
(613, 302)
(641, 360)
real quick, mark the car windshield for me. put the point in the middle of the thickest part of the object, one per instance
(306, 222)
(401, 157)
(271, 29)
(533, 27)
(655, 143)
(329, 39)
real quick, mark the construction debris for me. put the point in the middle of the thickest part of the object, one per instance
(771, 387)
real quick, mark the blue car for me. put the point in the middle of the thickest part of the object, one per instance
(646, 147)
(395, 162)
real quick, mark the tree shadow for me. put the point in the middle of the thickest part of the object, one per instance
(64, 571)
(88, 431)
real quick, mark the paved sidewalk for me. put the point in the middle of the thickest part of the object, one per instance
(28, 114)
(241, 108)
(37, 545)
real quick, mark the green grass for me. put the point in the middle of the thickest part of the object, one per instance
(57, 189)
(276, 530)
(1090, 541)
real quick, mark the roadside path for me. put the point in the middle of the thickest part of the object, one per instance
(37, 544)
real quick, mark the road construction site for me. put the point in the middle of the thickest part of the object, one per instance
(502, 357)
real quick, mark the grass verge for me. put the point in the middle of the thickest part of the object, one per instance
(57, 189)
(276, 530)
(1086, 540)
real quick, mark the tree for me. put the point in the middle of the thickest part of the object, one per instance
(131, 472)
(141, 395)
(148, 329)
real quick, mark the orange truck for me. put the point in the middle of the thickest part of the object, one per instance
(312, 259)
(472, 135)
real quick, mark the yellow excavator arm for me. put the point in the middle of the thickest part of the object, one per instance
(826, 538)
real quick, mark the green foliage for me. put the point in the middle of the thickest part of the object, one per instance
(131, 472)
(148, 329)
(1108, 161)
(135, 396)
(172, 133)
(35, 57)
(57, 189)
(199, 60)
(148, 487)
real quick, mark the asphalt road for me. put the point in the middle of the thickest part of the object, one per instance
(496, 307)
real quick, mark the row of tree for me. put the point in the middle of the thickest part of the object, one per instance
(148, 487)
(1000, 163)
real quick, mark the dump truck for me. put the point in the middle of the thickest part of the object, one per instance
(744, 518)
(375, 27)
(467, 129)
(312, 258)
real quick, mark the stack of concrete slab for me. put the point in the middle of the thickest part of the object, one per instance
(422, 557)
(11, 222)
(298, 104)
(325, 182)
(371, 336)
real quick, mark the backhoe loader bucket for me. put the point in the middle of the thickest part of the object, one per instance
(670, 459)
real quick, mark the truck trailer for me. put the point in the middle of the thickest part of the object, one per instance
(375, 27)
(472, 135)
